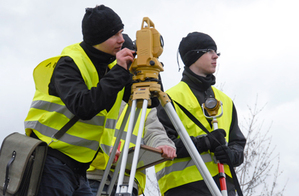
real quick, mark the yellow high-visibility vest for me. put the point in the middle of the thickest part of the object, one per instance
(140, 175)
(48, 114)
(180, 171)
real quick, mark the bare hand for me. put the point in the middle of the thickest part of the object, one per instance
(124, 57)
(117, 153)
(168, 152)
(116, 156)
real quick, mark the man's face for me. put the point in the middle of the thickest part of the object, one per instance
(206, 64)
(112, 45)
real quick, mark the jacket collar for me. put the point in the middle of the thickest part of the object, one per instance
(97, 56)
(198, 82)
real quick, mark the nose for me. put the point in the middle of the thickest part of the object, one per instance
(215, 55)
(121, 38)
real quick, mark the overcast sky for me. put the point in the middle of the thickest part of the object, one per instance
(258, 41)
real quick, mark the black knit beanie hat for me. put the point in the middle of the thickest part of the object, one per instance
(194, 41)
(99, 24)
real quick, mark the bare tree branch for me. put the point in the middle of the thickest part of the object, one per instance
(257, 169)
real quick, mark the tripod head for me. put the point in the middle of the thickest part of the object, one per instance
(146, 67)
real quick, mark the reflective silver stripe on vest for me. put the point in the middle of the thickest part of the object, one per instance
(70, 139)
(124, 135)
(106, 148)
(180, 166)
(53, 107)
(110, 123)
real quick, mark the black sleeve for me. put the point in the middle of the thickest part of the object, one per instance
(68, 84)
(181, 150)
(128, 88)
(237, 140)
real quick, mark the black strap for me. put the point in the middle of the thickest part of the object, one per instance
(66, 127)
(193, 118)
(232, 170)
(7, 172)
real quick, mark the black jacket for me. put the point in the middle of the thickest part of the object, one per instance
(199, 86)
(68, 84)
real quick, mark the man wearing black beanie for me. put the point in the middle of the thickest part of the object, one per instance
(81, 89)
(181, 176)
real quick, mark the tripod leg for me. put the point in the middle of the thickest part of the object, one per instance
(126, 147)
(137, 147)
(114, 177)
(117, 168)
(113, 152)
(176, 121)
(129, 189)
